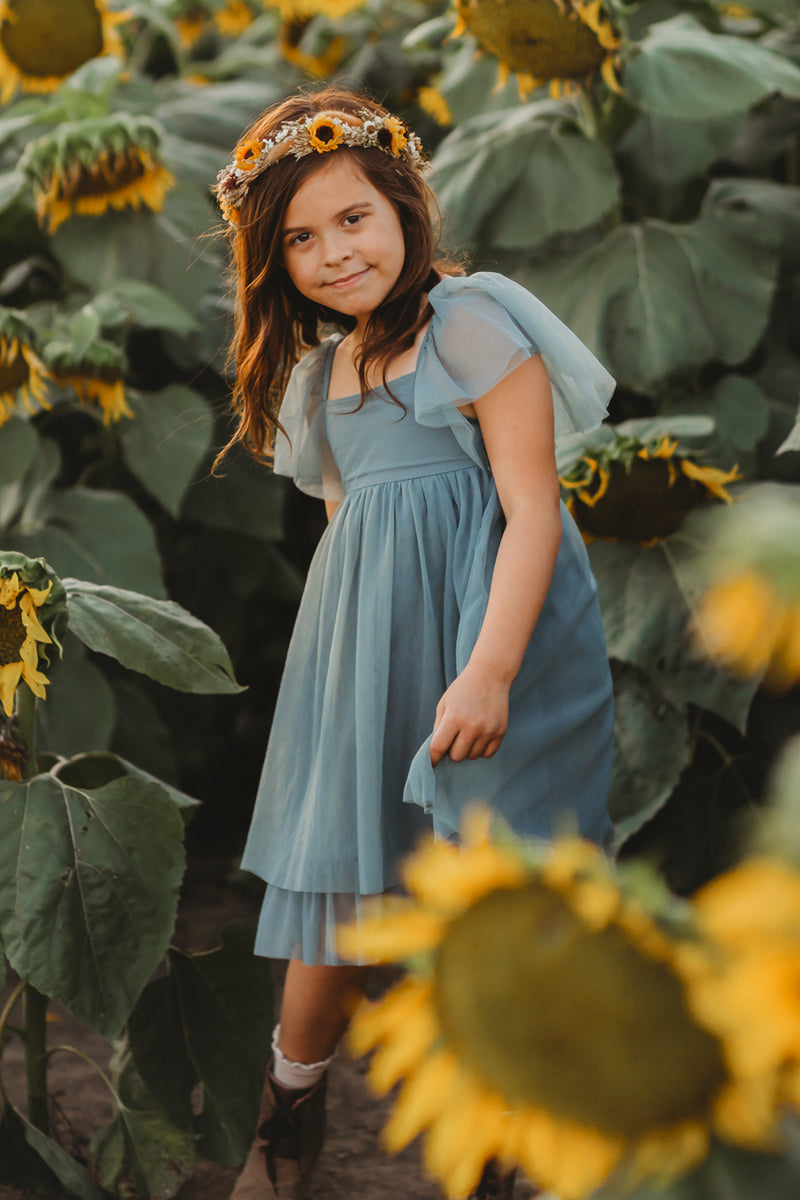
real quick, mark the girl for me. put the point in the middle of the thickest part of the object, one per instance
(448, 645)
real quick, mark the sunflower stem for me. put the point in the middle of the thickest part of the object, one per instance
(35, 1008)
(26, 728)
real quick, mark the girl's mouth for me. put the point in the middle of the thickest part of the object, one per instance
(348, 280)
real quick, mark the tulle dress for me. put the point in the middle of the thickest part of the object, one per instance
(391, 610)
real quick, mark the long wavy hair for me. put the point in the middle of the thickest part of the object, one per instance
(274, 324)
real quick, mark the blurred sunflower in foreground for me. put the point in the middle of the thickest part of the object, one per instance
(638, 486)
(564, 43)
(749, 617)
(23, 376)
(44, 41)
(88, 167)
(549, 1022)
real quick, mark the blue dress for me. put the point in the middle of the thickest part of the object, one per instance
(392, 607)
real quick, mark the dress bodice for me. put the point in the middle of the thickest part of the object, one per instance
(382, 442)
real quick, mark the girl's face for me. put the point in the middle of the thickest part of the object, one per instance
(343, 244)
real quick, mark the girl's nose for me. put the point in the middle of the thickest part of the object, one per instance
(337, 250)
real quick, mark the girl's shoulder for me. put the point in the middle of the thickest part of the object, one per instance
(485, 325)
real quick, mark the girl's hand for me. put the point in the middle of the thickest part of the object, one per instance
(471, 717)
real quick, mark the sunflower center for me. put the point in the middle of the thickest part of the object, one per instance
(580, 1023)
(104, 178)
(12, 635)
(647, 500)
(51, 37)
(539, 37)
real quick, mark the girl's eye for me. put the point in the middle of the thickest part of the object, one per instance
(353, 218)
(299, 239)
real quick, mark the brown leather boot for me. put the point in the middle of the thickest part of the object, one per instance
(286, 1146)
(493, 1185)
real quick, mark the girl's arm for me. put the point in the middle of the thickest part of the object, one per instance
(331, 507)
(516, 420)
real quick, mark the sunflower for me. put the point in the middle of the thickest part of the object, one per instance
(639, 491)
(96, 378)
(247, 153)
(431, 101)
(608, 1070)
(91, 166)
(393, 136)
(23, 376)
(324, 134)
(290, 41)
(20, 635)
(43, 41)
(749, 617)
(191, 21)
(233, 18)
(560, 42)
(751, 993)
(303, 10)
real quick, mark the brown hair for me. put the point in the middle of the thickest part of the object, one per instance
(274, 323)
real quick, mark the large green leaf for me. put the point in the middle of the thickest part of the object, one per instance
(687, 73)
(78, 714)
(95, 769)
(672, 151)
(514, 178)
(740, 412)
(139, 301)
(94, 535)
(776, 205)
(156, 637)
(166, 249)
(21, 497)
(647, 597)
(651, 739)
(142, 1154)
(18, 443)
(88, 889)
(208, 1021)
(656, 301)
(167, 441)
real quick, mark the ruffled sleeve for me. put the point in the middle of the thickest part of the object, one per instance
(483, 327)
(304, 453)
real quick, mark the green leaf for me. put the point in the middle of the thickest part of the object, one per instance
(514, 178)
(792, 442)
(687, 73)
(657, 301)
(209, 1021)
(145, 304)
(18, 445)
(79, 711)
(142, 1154)
(740, 412)
(22, 498)
(650, 751)
(671, 151)
(776, 205)
(167, 441)
(245, 498)
(156, 637)
(647, 596)
(95, 769)
(141, 734)
(88, 889)
(73, 1177)
(13, 184)
(94, 535)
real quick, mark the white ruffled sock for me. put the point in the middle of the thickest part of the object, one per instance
(290, 1074)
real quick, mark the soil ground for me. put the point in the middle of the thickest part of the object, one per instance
(353, 1163)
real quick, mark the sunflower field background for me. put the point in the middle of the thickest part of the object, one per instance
(636, 165)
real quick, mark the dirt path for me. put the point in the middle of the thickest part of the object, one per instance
(352, 1165)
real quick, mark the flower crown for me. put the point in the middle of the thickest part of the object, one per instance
(321, 133)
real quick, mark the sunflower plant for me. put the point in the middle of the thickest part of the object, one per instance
(556, 1016)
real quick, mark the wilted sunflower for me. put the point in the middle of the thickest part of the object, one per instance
(560, 42)
(639, 491)
(23, 376)
(97, 378)
(290, 41)
(44, 41)
(749, 618)
(91, 166)
(547, 1023)
(20, 635)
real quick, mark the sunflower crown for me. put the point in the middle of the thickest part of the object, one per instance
(321, 133)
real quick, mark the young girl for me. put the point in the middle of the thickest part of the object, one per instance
(448, 645)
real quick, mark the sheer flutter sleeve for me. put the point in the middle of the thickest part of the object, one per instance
(483, 327)
(304, 453)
